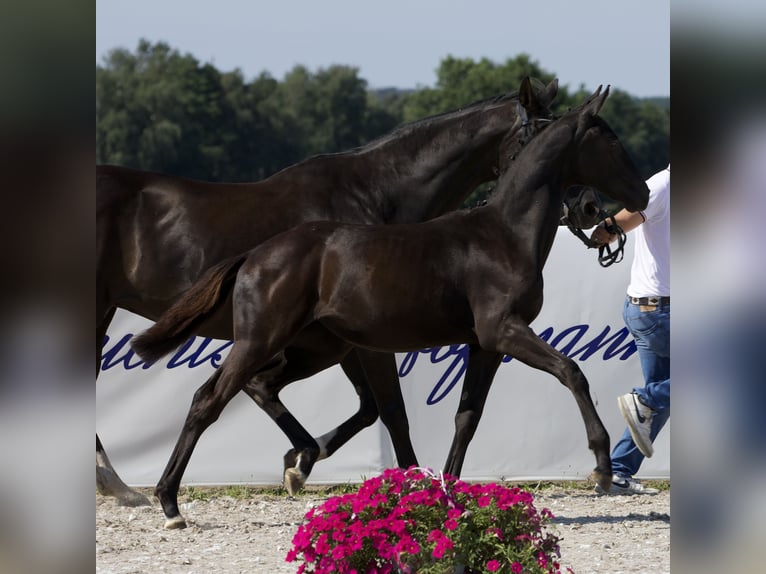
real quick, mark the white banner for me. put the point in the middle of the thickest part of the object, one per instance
(531, 428)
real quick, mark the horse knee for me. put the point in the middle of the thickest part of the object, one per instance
(465, 419)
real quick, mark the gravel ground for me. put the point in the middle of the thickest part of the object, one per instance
(252, 534)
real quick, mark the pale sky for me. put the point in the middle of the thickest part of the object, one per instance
(400, 43)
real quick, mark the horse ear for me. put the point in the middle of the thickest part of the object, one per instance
(596, 101)
(551, 90)
(526, 93)
(594, 95)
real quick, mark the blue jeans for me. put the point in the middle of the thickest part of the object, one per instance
(651, 330)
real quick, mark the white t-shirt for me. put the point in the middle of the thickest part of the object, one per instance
(650, 272)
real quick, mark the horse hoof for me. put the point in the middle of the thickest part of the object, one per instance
(175, 523)
(604, 480)
(294, 480)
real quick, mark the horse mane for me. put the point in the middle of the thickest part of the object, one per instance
(405, 129)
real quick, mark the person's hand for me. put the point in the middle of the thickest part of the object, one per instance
(601, 236)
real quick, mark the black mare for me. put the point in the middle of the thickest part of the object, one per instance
(472, 276)
(157, 234)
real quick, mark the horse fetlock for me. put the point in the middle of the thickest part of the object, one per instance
(109, 484)
(169, 504)
(132, 498)
(298, 465)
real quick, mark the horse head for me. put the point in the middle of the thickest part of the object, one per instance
(536, 97)
(534, 113)
(585, 151)
(601, 159)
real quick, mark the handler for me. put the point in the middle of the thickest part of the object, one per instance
(646, 312)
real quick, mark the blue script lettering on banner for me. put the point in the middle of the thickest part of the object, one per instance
(572, 341)
(109, 358)
(196, 358)
(454, 369)
(593, 345)
(455, 357)
(190, 353)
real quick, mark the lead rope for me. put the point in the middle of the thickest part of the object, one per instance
(606, 256)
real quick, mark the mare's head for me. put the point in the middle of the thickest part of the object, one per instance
(585, 151)
(537, 97)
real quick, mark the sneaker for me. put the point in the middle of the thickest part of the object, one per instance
(639, 419)
(623, 485)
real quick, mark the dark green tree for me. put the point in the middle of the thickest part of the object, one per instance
(161, 110)
(461, 81)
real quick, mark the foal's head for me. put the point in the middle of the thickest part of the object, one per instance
(600, 160)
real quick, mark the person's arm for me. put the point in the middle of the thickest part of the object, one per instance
(627, 220)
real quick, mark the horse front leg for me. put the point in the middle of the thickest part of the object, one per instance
(515, 338)
(482, 366)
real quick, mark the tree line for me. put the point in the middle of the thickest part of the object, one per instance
(158, 109)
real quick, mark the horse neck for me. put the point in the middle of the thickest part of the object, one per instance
(527, 202)
(424, 172)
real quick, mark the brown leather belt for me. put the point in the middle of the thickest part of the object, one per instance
(649, 300)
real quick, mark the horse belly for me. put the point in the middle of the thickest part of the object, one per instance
(409, 329)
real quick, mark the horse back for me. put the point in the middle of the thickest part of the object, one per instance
(157, 234)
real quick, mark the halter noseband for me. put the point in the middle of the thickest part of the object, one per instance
(606, 256)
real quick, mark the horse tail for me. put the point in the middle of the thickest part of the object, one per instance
(186, 315)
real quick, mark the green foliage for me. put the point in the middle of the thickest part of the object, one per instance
(461, 81)
(158, 109)
(161, 110)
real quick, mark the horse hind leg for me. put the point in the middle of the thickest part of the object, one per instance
(482, 366)
(519, 341)
(366, 370)
(244, 363)
(108, 482)
(298, 461)
(264, 390)
(365, 416)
